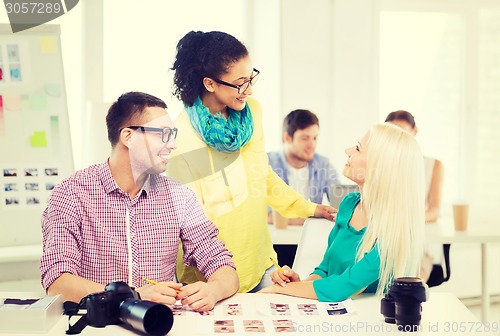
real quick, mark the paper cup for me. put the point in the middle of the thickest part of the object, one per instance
(461, 216)
(279, 221)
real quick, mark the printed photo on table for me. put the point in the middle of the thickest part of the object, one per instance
(280, 309)
(233, 309)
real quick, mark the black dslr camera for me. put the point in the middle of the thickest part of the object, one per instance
(120, 303)
(402, 304)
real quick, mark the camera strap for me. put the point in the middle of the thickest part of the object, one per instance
(71, 309)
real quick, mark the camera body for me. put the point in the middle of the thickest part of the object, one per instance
(120, 303)
(402, 304)
(104, 308)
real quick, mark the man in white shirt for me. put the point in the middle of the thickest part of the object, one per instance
(301, 167)
(298, 164)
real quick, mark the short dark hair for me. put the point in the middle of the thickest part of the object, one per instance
(126, 109)
(401, 115)
(298, 120)
(201, 55)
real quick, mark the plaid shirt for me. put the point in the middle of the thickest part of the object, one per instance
(91, 228)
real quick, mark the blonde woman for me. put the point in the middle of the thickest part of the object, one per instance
(434, 176)
(378, 234)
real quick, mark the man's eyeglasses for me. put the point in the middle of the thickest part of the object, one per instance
(242, 87)
(166, 132)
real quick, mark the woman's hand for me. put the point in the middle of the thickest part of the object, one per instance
(282, 279)
(326, 211)
(273, 289)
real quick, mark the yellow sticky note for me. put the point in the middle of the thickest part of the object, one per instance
(48, 44)
(38, 139)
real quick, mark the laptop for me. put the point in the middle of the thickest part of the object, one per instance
(338, 192)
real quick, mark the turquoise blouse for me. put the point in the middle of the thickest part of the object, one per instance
(341, 276)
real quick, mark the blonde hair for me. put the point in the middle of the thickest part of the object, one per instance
(394, 202)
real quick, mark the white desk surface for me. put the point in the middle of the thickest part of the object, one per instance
(444, 232)
(442, 314)
(20, 253)
(439, 232)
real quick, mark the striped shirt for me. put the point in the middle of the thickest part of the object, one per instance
(92, 229)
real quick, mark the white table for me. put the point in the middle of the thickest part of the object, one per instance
(20, 253)
(442, 314)
(441, 232)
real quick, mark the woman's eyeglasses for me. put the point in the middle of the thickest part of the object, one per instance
(244, 86)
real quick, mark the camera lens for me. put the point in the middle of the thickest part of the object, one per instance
(149, 317)
(387, 309)
(408, 316)
(408, 294)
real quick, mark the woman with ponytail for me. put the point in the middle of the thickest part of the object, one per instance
(379, 232)
(221, 154)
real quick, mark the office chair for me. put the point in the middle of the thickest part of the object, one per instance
(312, 245)
(438, 275)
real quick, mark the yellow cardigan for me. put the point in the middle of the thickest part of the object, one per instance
(234, 190)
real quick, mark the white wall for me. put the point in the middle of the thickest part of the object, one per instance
(328, 67)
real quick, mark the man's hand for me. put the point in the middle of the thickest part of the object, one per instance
(200, 296)
(163, 292)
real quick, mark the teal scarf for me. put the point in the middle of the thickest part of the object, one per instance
(217, 132)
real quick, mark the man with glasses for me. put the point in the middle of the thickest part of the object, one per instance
(122, 220)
